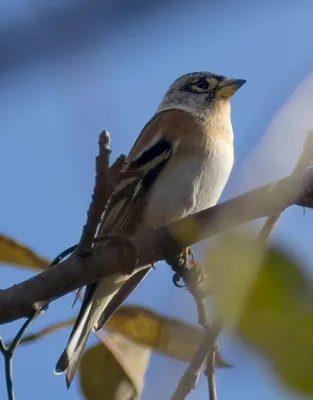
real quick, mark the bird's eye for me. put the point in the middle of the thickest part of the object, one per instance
(201, 84)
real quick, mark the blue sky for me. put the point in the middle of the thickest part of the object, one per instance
(53, 108)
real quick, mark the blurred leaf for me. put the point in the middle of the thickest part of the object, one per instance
(232, 265)
(12, 252)
(114, 370)
(177, 339)
(278, 320)
(168, 336)
(271, 306)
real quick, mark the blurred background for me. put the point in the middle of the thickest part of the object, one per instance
(69, 69)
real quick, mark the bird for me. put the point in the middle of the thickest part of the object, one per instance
(184, 156)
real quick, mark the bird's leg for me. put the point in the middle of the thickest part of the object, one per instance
(191, 271)
(179, 265)
(187, 268)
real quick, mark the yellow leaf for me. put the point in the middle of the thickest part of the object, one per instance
(12, 252)
(113, 370)
(179, 339)
(168, 336)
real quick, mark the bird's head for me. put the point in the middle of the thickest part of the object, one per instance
(200, 93)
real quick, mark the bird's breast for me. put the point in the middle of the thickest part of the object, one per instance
(188, 185)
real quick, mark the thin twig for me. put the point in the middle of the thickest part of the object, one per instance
(9, 351)
(202, 307)
(190, 377)
(210, 373)
(200, 297)
(306, 158)
(104, 184)
(268, 228)
(8, 370)
(46, 331)
(100, 196)
(193, 275)
(304, 162)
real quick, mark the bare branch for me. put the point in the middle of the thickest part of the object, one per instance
(101, 194)
(190, 377)
(8, 352)
(47, 330)
(22, 299)
(305, 161)
(210, 373)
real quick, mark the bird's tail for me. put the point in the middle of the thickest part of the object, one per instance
(86, 320)
(100, 302)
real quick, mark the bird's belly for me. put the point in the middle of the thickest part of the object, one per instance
(192, 185)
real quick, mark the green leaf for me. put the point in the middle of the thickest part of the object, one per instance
(232, 265)
(277, 319)
(266, 297)
(113, 370)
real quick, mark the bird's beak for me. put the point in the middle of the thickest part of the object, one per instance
(228, 87)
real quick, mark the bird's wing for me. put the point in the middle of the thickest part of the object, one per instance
(148, 139)
(149, 155)
(118, 299)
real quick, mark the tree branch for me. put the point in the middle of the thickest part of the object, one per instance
(8, 352)
(190, 377)
(305, 161)
(22, 299)
(102, 192)
(210, 373)
(47, 330)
